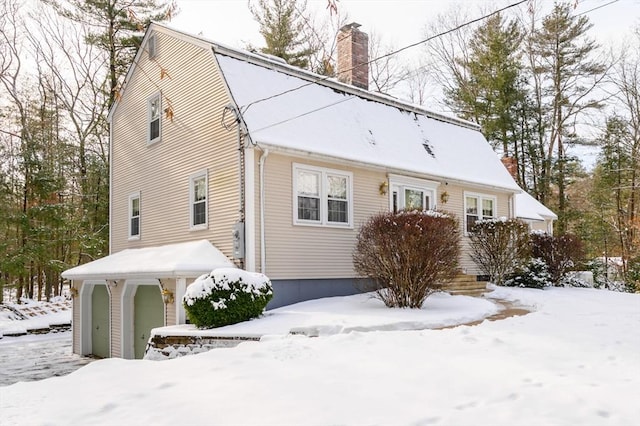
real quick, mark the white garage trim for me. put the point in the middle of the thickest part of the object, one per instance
(86, 290)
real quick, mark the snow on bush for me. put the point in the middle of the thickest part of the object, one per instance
(499, 247)
(226, 296)
(534, 275)
(560, 253)
(409, 255)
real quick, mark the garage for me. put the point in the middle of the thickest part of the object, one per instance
(119, 298)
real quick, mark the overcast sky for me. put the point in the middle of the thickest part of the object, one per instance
(399, 22)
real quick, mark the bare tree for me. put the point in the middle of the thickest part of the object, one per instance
(386, 71)
(78, 78)
(447, 55)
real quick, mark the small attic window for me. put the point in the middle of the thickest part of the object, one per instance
(152, 46)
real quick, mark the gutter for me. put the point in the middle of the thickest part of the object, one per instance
(381, 168)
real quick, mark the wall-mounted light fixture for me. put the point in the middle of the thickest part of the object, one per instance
(167, 296)
(73, 291)
(383, 188)
(444, 197)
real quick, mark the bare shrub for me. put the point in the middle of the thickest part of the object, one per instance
(499, 247)
(409, 255)
(561, 253)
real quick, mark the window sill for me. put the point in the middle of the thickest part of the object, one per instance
(135, 238)
(203, 227)
(324, 225)
(154, 141)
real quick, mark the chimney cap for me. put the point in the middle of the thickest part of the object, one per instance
(351, 26)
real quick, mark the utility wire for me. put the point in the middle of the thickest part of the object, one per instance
(305, 113)
(597, 7)
(245, 108)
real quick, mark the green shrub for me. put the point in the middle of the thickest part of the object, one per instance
(632, 280)
(226, 296)
(409, 255)
(499, 247)
(533, 275)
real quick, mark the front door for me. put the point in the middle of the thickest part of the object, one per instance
(148, 313)
(100, 321)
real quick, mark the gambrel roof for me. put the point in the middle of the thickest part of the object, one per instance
(319, 119)
(290, 109)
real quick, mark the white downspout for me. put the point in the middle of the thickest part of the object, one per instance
(263, 254)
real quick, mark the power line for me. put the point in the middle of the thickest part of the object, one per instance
(245, 108)
(303, 114)
(597, 7)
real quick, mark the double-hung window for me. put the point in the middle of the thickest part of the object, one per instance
(478, 207)
(411, 193)
(198, 200)
(154, 118)
(134, 216)
(322, 196)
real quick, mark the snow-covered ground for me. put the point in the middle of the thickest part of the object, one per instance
(575, 360)
(361, 312)
(37, 357)
(32, 315)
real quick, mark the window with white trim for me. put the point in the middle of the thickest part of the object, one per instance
(322, 196)
(154, 118)
(152, 46)
(198, 200)
(411, 193)
(134, 216)
(478, 207)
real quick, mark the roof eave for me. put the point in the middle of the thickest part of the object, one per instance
(382, 168)
(136, 275)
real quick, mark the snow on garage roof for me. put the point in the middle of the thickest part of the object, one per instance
(339, 121)
(528, 207)
(189, 259)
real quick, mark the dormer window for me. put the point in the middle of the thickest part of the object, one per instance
(154, 114)
(152, 46)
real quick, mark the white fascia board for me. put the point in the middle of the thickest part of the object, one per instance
(391, 170)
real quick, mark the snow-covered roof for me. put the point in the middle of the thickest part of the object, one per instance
(189, 259)
(528, 207)
(315, 117)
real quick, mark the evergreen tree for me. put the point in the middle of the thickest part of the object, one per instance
(491, 91)
(117, 28)
(281, 24)
(614, 176)
(567, 75)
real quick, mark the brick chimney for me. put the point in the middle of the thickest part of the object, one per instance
(353, 56)
(512, 166)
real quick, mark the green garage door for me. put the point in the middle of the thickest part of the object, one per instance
(100, 321)
(148, 313)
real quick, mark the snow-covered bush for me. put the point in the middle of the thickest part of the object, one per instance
(633, 275)
(226, 296)
(499, 247)
(560, 253)
(409, 255)
(572, 279)
(533, 275)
